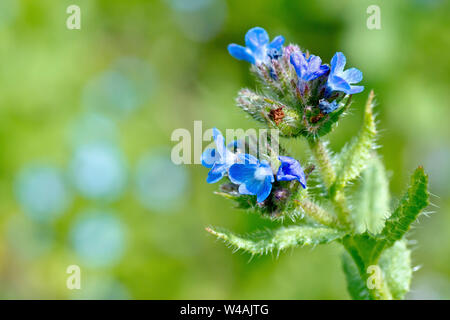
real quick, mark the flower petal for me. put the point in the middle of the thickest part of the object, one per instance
(220, 143)
(217, 172)
(324, 68)
(256, 38)
(338, 84)
(352, 75)
(233, 145)
(247, 159)
(299, 62)
(290, 169)
(253, 186)
(243, 190)
(314, 62)
(264, 190)
(320, 72)
(209, 157)
(287, 160)
(308, 69)
(338, 63)
(355, 89)
(277, 43)
(268, 169)
(241, 53)
(241, 173)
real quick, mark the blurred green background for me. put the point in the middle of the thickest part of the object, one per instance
(86, 118)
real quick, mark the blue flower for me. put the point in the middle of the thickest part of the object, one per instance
(219, 159)
(253, 177)
(340, 80)
(327, 107)
(290, 169)
(258, 49)
(308, 69)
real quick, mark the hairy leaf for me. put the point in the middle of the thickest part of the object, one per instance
(364, 248)
(355, 284)
(353, 158)
(367, 247)
(396, 265)
(415, 199)
(372, 206)
(279, 239)
(386, 249)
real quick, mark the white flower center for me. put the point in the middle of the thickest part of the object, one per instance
(260, 173)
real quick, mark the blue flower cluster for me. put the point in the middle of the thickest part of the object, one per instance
(308, 67)
(252, 176)
(319, 90)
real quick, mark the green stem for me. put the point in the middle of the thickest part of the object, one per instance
(317, 213)
(340, 202)
(328, 174)
(322, 157)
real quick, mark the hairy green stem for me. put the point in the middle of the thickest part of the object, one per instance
(328, 174)
(340, 202)
(318, 214)
(322, 157)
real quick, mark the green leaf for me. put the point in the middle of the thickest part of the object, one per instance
(367, 248)
(279, 239)
(385, 249)
(364, 248)
(395, 262)
(356, 286)
(415, 199)
(353, 158)
(372, 206)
